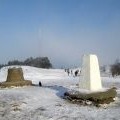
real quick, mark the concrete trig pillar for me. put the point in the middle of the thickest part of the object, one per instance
(90, 78)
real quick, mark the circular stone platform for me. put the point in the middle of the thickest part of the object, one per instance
(101, 97)
(15, 78)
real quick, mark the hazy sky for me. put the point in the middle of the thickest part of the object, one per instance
(63, 30)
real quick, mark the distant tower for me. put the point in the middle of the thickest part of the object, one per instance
(91, 79)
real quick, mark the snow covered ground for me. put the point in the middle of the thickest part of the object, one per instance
(46, 103)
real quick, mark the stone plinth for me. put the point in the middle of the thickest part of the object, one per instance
(15, 78)
(90, 79)
(14, 75)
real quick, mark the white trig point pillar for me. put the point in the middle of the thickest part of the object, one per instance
(90, 78)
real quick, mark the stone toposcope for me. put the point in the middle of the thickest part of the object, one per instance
(15, 78)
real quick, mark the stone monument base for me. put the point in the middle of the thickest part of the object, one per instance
(16, 84)
(15, 78)
(96, 98)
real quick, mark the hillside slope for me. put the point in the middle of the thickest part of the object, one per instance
(46, 103)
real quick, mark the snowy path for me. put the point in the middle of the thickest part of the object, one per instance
(45, 103)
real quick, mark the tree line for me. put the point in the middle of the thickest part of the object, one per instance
(115, 68)
(40, 62)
